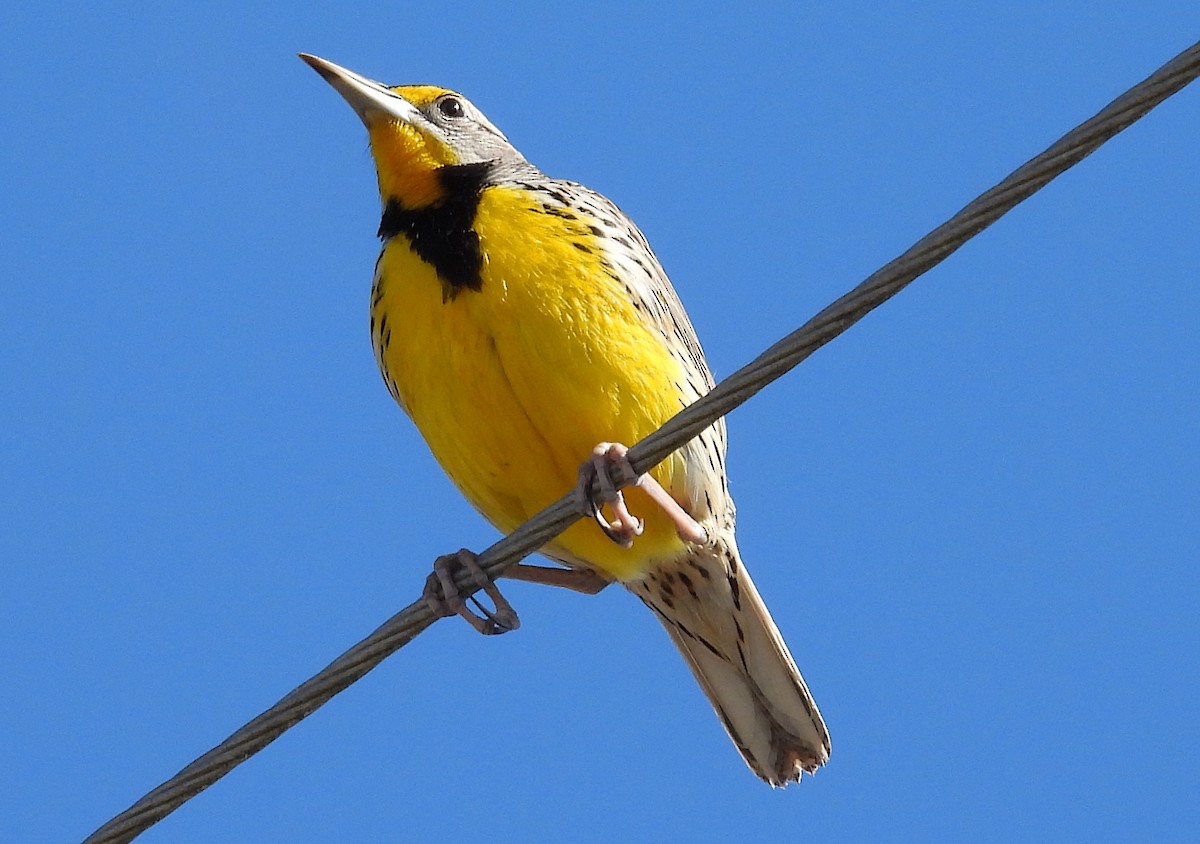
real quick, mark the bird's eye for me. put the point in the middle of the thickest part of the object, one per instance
(451, 107)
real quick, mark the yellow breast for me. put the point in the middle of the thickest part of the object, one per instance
(513, 385)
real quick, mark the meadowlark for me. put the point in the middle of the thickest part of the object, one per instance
(524, 324)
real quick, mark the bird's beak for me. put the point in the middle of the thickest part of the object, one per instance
(369, 99)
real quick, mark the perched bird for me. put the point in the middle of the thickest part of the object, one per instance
(524, 324)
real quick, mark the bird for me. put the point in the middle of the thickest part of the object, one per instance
(527, 328)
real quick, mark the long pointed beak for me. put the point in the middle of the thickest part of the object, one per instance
(369, 99)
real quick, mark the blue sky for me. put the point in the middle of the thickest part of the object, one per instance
(973, 515)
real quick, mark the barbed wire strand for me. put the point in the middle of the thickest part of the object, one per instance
(403, 627)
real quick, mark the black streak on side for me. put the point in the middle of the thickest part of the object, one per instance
(443, 233)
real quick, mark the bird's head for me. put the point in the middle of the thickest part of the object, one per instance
(419, 133)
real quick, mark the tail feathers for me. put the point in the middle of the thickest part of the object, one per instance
(714, 614)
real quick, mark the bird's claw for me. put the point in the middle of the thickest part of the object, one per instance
(609, 470)
(443, 597)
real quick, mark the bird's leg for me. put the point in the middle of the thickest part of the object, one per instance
(443, 597)
(584, 581)
(611, 470)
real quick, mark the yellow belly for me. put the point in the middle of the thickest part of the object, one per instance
(513, 385)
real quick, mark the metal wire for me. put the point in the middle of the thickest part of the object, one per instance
(403, 627)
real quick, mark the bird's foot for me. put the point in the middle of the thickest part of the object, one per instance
(443, 597)
(610, 471)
